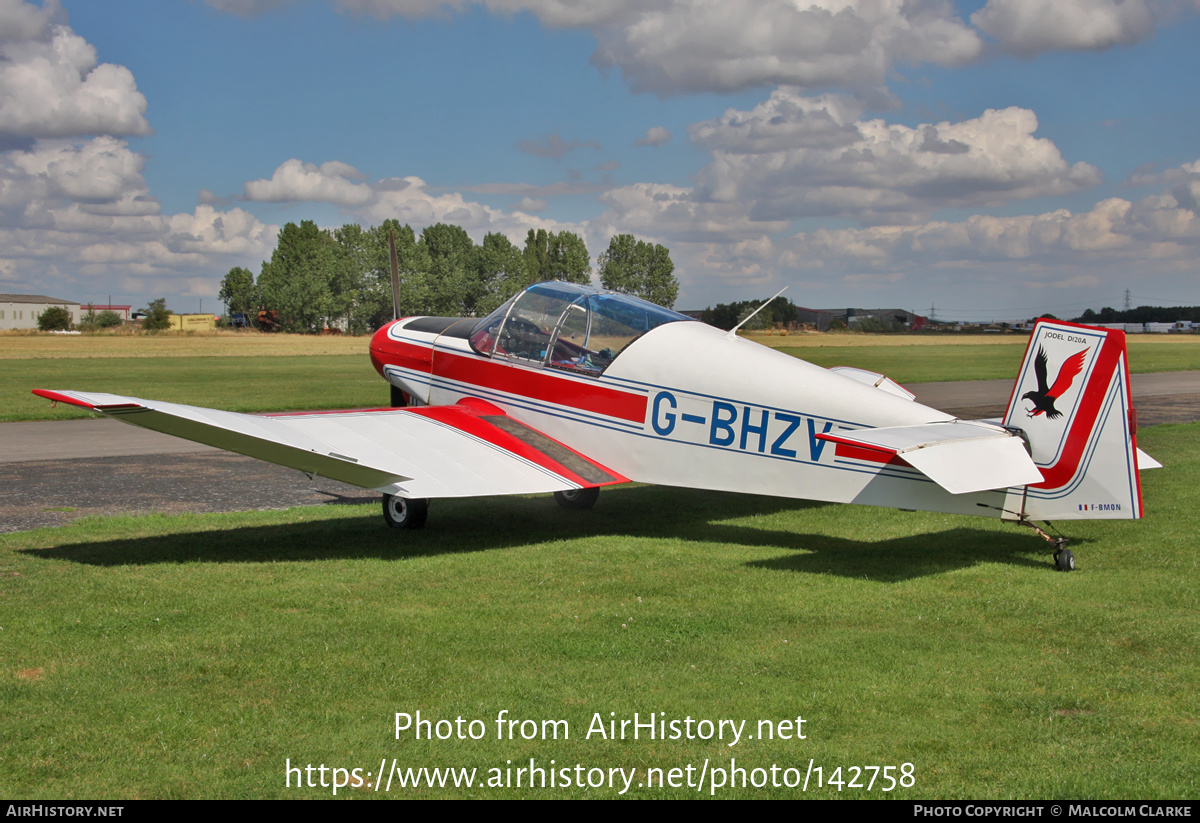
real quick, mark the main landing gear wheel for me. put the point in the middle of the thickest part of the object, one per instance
(405, 513)
(577, 498)
(1064, 560)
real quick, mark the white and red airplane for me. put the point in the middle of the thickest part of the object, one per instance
(567, 388)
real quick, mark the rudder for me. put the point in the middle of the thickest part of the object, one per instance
(1072, 400)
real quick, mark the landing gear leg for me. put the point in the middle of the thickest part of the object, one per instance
(1064, 561)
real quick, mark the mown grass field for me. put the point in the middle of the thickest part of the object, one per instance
(193, 656)
(260, 372)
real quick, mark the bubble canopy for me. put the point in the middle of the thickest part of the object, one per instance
(567, 326)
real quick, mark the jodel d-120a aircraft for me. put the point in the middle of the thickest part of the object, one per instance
(566, 389)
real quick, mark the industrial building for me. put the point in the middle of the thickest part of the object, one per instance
(21, 311)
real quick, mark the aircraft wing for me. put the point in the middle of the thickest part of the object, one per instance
(469, 449)
(960, 456)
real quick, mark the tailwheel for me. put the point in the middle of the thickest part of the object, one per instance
(577, 498)
(404, 512)
(1064, 561)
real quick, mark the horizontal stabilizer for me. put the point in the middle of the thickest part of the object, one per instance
(1145, 461)
(469, 449)
(960, 456)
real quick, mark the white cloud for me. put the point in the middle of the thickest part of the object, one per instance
(786, 120)
(148, 255)
(654, 136)
(71, 213)
(792, 157)
(207, 231)
(75, 208)
(1059, 247)
(23, 21)
(296, 181)
(529, 204)
(666, 211)
(57, 182)
(1027, 27)
(693, 46)
(102, 169)
(983, 263)
(410, 201)
(51, 85)
(683, 46)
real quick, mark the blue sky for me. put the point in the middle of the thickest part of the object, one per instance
(993, 159)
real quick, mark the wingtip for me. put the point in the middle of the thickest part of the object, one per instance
(60, 397)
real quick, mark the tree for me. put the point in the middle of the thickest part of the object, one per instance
(454, 290)
(108, 319)
(661, 286)
(639, 268)
(158, 317)
(727, 315)
(296, 280)
(569, 259)
(556, 256)
(55, 318)
(355, 297)
(501, 271)
(239, 292)
(92, 319)
(414, 265)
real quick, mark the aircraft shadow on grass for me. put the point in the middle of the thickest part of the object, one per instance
(646, 512)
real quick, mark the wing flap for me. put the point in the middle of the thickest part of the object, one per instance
(469, 449)
(960, 456)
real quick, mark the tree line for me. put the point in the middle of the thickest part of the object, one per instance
(318, 278)
(1142, 314)
(727, 315)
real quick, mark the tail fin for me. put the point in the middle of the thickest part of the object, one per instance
(1073, 402)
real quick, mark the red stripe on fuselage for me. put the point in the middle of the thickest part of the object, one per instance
(387, 351)
(537, 384)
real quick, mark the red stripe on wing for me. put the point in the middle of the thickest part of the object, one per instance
(467, 416)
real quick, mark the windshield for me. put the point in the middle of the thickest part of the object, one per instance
(567, 326)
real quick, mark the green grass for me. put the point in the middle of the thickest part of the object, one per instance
(191, 656)
(248, 384)
(956, 360)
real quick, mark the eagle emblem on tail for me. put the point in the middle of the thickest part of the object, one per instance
(1045, 395)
